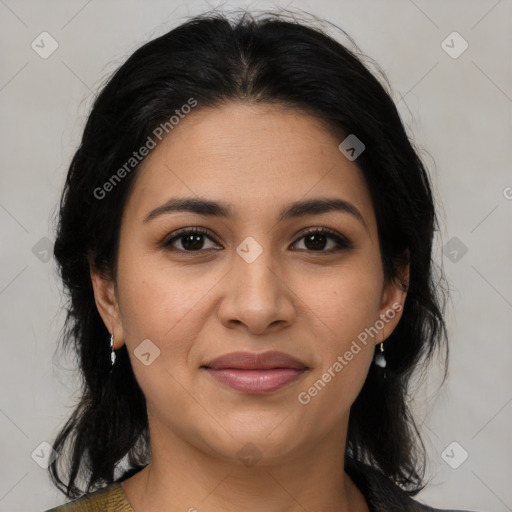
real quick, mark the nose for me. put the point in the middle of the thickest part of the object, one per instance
(256, 296)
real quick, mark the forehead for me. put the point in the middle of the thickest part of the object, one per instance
(255, 157)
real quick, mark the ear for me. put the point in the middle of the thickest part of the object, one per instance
(393, 299)
(106, 302)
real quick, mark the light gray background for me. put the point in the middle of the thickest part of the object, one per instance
(458, 112)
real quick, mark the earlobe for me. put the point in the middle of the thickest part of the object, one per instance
(107, 305)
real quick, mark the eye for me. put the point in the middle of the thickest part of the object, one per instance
(190, 239)
(316, 239)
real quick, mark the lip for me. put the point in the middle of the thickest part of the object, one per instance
(252, 372)
(255, 361)
(255, 381)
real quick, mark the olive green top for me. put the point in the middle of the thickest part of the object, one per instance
(109, 499)
(381, 494)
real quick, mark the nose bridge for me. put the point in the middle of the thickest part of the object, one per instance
(252, 267)
(256, 295)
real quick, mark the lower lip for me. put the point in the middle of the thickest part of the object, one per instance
(256, 381)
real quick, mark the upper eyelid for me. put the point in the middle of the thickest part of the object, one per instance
(192, 229)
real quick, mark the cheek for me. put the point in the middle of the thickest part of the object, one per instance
(155, 291)
(344, 354)
(347, 301)
(167, 307)
(163, 304)
(346, 307)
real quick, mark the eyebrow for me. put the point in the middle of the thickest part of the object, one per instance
(298, 209)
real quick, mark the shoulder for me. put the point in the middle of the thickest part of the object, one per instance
(108, 499)
(382, 494)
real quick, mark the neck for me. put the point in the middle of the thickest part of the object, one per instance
(190, 479)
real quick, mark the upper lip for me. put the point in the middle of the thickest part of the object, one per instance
(255, 361)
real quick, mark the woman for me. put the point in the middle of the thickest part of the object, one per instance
(246, 235)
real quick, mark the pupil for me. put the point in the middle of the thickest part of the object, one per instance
(196, 242)
(310, 241)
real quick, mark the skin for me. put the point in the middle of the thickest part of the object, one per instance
(197, 305)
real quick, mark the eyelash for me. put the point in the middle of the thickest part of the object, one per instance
(343, 242)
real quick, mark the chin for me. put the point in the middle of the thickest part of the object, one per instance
(252, 442)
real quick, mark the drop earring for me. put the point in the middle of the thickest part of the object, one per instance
(380, 361)
(112, 354)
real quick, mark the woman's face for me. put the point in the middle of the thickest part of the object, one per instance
(253, 283)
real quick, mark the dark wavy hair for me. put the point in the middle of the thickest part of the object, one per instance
(271, 59)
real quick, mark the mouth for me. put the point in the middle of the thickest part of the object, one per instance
(255, 373)
(255, 381)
